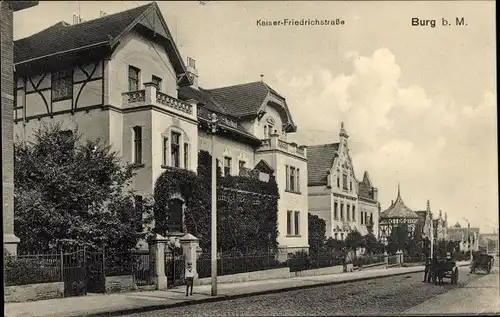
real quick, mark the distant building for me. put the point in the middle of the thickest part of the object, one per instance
(398, 215)
(8, 100)
(336, 195)
(465, 236)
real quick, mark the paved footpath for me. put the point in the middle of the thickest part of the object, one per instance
(480, 296)
(126, 303)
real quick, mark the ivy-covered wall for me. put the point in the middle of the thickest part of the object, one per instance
(247, 207)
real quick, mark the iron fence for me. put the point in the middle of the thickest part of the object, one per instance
(33, 269)
(392, 259)
(231, 263)
(363, 260)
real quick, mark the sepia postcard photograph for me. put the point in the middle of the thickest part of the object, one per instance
(249, 158)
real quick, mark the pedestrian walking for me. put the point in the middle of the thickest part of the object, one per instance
(189, 276)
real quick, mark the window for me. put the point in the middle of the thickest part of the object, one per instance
(242, 164)
(165, 151)
(175, 149)
(287, 170)
(265, 132)
(227, 165)
(292, 179)
(344, 181)
(186, 155)
(366, 218)
(62, 85)
(133, 78)
(289, 222)
(350, 186)
(341, 236)
(338, 182)
(336, 236)
(335, 210)
(348, 214)
(341, 211)
(137, 145)
(298, 180)
(157, 81)
(297, 222)
(138, 203)
(353, 213)
(362, 218)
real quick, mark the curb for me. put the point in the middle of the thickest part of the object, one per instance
(236, 296)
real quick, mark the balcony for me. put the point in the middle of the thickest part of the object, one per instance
(274, 143)
(150, 96)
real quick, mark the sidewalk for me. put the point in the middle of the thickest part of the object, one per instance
(127, 303)
(479, 297)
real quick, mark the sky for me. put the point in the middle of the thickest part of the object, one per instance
(418, 103)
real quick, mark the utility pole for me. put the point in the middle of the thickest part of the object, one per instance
(213, 127)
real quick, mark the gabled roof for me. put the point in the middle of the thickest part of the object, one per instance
(202, 96)
(264, 167)
(398, 210)
(247, 99)
(63, 38)
(365, 188)
(319, 162)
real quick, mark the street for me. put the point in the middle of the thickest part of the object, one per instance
(390, 295)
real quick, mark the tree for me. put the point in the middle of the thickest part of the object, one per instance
(337, 245)
(398, 239)
(372, 245)
(317, 231)
(354, 240)
(69, 188)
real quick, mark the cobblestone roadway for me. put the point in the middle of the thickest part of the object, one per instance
(379, 296)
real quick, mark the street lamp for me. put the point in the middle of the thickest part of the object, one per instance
(213, 129)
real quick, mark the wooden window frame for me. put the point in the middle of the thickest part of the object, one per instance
(58, 79)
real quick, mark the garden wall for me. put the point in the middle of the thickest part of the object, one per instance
(246, 277)
(33, 292)
(120, 283)
(316, 272)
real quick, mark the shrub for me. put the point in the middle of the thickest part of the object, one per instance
(24, 270)
(299, 261)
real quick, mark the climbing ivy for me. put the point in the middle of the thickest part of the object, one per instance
(247, 207)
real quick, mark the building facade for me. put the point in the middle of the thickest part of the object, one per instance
(398, 215)
(335, 194)
(8, 99)
(134, 91)
(466, 237)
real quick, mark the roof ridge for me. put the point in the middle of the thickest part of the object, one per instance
(322, 145)
(113, 14)
(235, 85)
(62, 22)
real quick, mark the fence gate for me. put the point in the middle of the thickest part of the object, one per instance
(96, 278)
(143, 268)
(174, 267)
(74, 273)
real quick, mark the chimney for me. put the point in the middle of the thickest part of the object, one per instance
(192, 72)
(102, 14)
(75, 19)
(375, 193)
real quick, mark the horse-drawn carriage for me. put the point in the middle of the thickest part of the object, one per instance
(438, 269)
(481, 261)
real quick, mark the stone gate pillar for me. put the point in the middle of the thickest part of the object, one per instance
(157, 250)
(189, 245)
